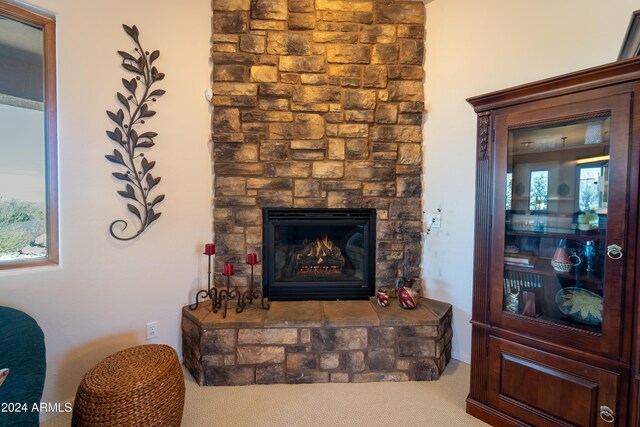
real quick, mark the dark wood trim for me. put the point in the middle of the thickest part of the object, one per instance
(603, 75)
(483, 218)
(634, 414)
(481, 256)
(479, 367)
(631, 43)
(559, 349)
(484, 120)
(48, 27)
(490, 415)
(634, 300)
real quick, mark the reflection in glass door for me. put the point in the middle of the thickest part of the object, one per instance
(555, 222)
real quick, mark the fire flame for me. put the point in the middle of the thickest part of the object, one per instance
(318, 248)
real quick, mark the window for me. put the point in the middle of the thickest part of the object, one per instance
(509, 193)
(28, 160)
(591, 187)
(538, 190)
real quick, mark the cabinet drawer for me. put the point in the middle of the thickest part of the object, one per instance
(543, 389)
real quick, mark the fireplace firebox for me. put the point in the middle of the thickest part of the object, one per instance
(320, 254)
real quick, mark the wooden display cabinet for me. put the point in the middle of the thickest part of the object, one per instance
(555, 323)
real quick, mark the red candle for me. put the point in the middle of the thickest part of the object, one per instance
(252, 258)
(228, 270)
(209, 249)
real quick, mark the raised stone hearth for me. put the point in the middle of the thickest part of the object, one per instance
(317, 342)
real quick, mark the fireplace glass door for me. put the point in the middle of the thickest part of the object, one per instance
(319, 254)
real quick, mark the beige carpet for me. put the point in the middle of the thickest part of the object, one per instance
(438, 403)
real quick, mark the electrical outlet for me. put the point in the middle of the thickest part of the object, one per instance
(433, 220)
(152, 330)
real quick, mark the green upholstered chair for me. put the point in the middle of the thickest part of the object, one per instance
(22, 351)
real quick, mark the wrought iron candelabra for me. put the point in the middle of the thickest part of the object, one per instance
(225, 294)
(220, 296)
(211, 293)
(252, 292)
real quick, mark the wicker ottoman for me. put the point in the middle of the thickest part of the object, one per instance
(139, 386)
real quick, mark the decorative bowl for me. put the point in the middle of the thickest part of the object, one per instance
(561, 266)
(580, 305)
(511, 249)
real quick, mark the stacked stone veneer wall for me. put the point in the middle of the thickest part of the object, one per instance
(318, 104)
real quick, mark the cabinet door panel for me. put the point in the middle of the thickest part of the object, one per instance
(634, 407)
(560, 205)
(543, 389)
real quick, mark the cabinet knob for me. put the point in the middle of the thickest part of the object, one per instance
(614, 251)
(607, 414)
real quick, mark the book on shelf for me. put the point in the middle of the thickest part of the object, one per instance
(513, 264)
(520, 260)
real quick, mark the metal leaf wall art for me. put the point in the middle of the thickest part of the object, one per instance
(132, 144)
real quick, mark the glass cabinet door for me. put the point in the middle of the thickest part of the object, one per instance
(555, 224)
(561, 270)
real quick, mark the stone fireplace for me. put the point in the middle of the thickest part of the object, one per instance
(318, 104)
(317, 155)
(323, 254)
(318, 109)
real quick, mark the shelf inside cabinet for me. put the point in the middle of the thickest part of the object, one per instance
(558, 233)
(543, 266)
(561, 321)
(581, 147)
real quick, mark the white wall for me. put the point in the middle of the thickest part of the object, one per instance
(474, 47)
(99, 298)
(104, 291)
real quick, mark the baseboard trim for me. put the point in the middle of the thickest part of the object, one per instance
(461, 357)
(490, 415)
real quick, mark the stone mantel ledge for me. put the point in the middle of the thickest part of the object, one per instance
(316, 314)
(317, 341)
